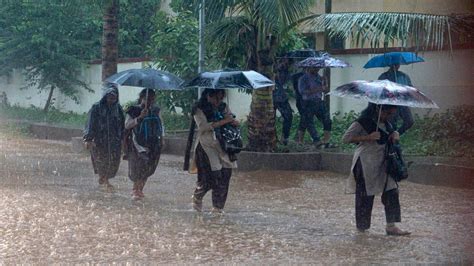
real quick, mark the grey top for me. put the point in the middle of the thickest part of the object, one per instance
(371, 156)
(310, 87)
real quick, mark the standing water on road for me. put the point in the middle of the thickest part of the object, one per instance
(52, 211)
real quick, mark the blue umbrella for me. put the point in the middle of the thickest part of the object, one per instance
(393, 58)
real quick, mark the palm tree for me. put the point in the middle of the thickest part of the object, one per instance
(110, 38)
(421, 31)
(259, 24)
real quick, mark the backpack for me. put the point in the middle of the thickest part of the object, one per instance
(149, 131)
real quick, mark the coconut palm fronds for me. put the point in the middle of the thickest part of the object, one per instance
(410, 29)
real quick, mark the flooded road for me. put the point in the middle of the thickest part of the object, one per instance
(53, 211)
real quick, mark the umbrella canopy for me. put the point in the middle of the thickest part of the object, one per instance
(302, 54)
(384, 92)
(147, 78)
(393, 58)
(230, 79)
(323, 61)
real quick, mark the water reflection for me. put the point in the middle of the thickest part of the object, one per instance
(52, 211)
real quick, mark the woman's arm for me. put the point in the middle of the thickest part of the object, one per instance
(203, 125)
(90, 128)
(356, 133)
(131, 122)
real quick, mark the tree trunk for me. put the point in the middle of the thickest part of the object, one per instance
(50, 98)
(110, 39)
(261, 120)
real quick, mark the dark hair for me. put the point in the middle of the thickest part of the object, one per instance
(204, 104)
(143, 94)
(371, 111)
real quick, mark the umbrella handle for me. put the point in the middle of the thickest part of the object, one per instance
(378, 119)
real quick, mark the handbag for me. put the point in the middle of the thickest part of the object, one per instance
(229, 138)
(395, 165)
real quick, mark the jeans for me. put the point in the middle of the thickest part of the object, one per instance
(287, 114)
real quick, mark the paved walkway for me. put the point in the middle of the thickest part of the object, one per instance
(52, 211)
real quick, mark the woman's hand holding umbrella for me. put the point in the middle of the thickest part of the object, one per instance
(143, 113)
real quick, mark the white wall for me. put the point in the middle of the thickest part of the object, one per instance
(447, 79)
(91, 74)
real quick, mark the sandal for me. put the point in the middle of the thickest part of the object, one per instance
(395, 231)
(327, 146)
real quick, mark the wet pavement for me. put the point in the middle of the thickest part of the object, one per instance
(53, 211)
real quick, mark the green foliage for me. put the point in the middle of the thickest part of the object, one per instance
(48, 40)
(449, 134)
(54, 116)
(174, 48)
(421, 30)
(292, 40)
(446, 134)
(136, 26)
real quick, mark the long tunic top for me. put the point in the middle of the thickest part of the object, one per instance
(105, 126)
(206, 137)
(371, 155)
(140, 168)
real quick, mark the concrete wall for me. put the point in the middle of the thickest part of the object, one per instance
(91, 74)
(446, 78)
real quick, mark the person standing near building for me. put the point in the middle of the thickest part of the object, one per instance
(280, 99)
(368, 177)
(403, 112)
(311, 88)
(103, 135)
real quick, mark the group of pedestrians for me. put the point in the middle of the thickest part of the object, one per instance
(309, 89)
(139, 131)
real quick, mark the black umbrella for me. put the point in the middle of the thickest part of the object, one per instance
(230, 79)
(147, 78)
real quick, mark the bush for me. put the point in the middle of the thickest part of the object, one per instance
(53, 116)
(448, 134)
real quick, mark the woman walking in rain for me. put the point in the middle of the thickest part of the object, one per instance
(144, 140)
(368, 177)
(103, 135)
(214, 165)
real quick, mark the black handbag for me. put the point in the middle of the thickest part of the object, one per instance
(229, 138)
(396, 167)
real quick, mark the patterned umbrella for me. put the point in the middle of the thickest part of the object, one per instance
(323, 61)
(384, 92)
(230, 79)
